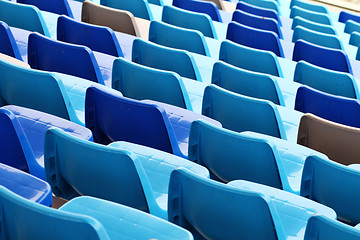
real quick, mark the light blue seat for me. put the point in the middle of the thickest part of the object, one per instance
(31, 18)
(131, 174)
(310, 15)
(264, 4)
(82, 218)
(322, 28)
(345, 16)
(165, 58)
(332, 184)
(326, 80)
(8, 44)
(250, 59)
(241, 209)
(177, 37)
(259, 11)
(309, 6)
(205, 7)
(246, 82)
(321, 39)
(355, 39)
(351, 26)
(157, 2)
(191, 20)
(357, 55)
(323, 228)
(60, 7)
(140, 8)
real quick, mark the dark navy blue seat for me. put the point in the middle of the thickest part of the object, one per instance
(209, 8)
(60, 7)
(345, 16)
(7, 42)
(264, 12)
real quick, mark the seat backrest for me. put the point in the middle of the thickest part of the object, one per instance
(187, 19)
(326, 80)
(218, 3)
(246, 82)
(323, 228)
(51, 55)
(165, 58)
(40, 222)
(329, 58)
(7, 42)
(117, 20)
(255, 38)
(206, 7)
(240, 113)
(321, 182)
(351, 26)
(231, 156)
(344, 16)
(211, 210)
(259, 11)
(177, 37)
(321, 39)
(309, 6)
(310, 15)
(355, 39)
(139, 82)
(31, 18)
(112, 117)
(250, 58)
(140, 8)
(339, 142)
(258, 22)
(100, 39)
(268, 4)
(322, 28)
(60, 7)
(333, 108)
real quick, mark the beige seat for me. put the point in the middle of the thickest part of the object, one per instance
(339, 142)
(13, 60)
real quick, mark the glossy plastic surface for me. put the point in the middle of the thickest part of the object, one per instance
(322, 28)
(355, 39)
(268, 4)
(206, 7)
(317, 17)
(60, 7)
(259, 11)
(309, 6)
(8, 44)
(140, 8)
(344, 16)
(351, 26)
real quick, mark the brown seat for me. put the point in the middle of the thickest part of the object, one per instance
(13, 60)
(218, 3)
(339, 142)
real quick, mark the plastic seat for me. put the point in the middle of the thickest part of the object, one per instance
(60, 7)
(100, 39)
(309, 6)
(268, 4)
(248, 83)
(339, 142)
(310, 15)
(320, 183)
(139, 82)
(329, 58)
(156, 2)
(240, 113)
(351, 26)
(323, 228)
(357, 55)
(179, 38)
(329, 81)
(250, 59)
(117, 20)
(318, 27)
(213, 210)
(344, 16)
(321, 39)
(218, 3)
(7, 42)
(51, 55)
(258, 22)
(259, 11)
(206, 7)
(140, 8)
(164, 58)
(255, 38)
(355, 39)
(22, 138)
(191, 20)
(132, 175)
(25, 185)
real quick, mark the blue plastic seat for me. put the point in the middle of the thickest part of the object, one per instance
(250, 59)
(25, 185)
(309, 6)
(246, 82)
(354, 39)
(310, 15)
(164, 58)
(329, 81)
(157, 2)
(140, 8)
(60, 7)
(22, 137)
(51, 55)
(332, 184)
(176, 37)
(191, 20)
(351, 26)
(259, 11)
(97, 38)
(258, 22)
(255, 38)
(321, 39)
(329, 58)
(208, 8)
(31, 18)
(323, 228)
(8, 44)
(130, 174)
(267, 4)
(344, 16)
(322, 28)
(357, 55)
